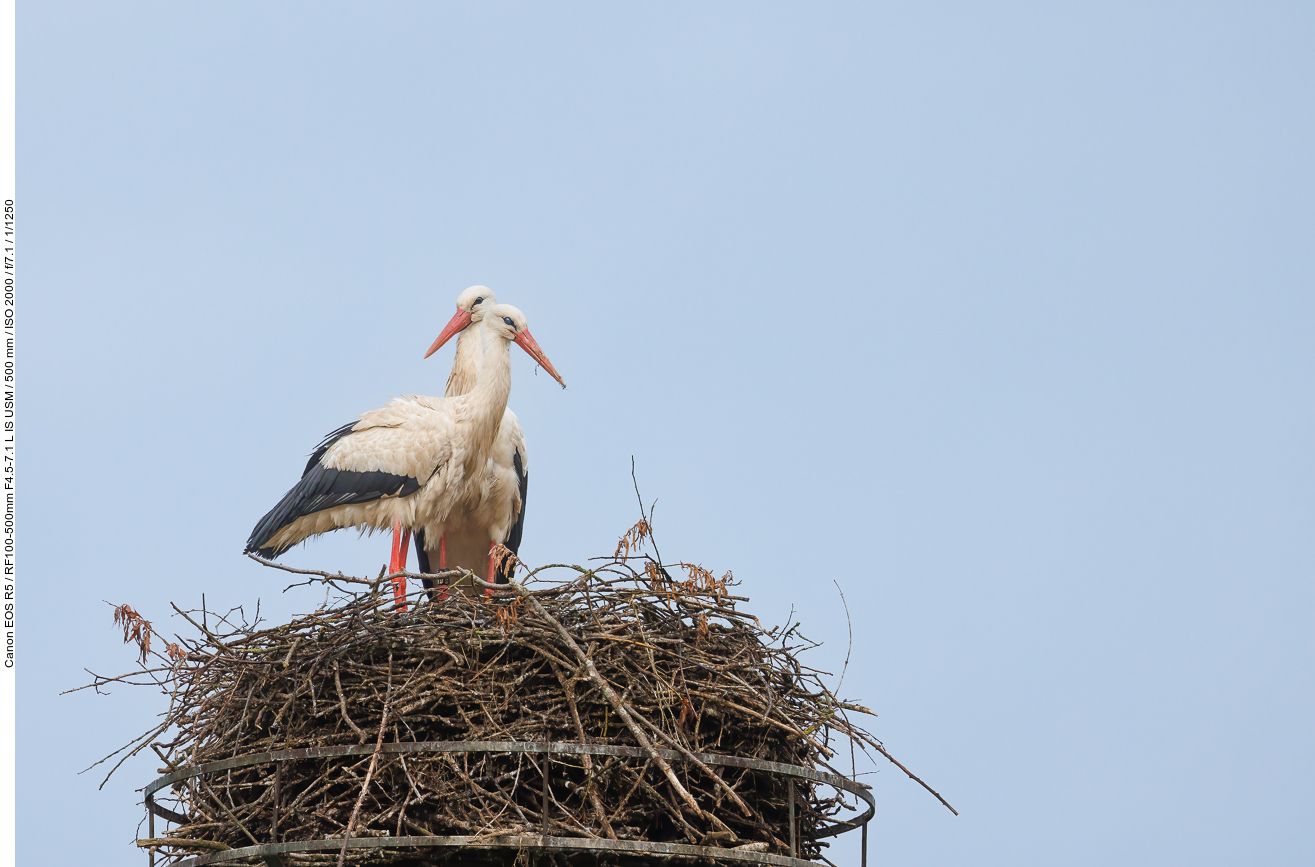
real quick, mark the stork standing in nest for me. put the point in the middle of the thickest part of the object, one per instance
(462, 541)
(419, 463)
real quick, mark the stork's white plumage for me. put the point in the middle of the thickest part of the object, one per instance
(410, 464)
(499, 514)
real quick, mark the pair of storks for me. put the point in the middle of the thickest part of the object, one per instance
(451, 470)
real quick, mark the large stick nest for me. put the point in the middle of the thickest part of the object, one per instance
(623, 654)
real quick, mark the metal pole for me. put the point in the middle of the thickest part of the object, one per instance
(544, 814)
(278, 785)
(794, 846)
(865, 844)
(150, 830)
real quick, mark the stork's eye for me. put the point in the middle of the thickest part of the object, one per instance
(507, 319)
(478, 301)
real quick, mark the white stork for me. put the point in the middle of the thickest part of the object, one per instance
(465, 535)
(410, 464)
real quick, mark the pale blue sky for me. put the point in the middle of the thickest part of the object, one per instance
(999, 315)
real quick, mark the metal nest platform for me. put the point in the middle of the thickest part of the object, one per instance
(493, 848)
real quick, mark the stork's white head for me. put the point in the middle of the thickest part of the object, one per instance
(507, 323)
(475, 298)
(471, 305)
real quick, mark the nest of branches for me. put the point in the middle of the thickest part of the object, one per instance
(624, 654)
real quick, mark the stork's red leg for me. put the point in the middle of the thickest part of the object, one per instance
(397, 563)
(493, 569)
(442, 564)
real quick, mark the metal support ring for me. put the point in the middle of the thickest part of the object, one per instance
(273, 850)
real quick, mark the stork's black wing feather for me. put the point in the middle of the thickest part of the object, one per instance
(423, 564)
(422, 554)
(325, 443)
(513, 542)
(323, 488)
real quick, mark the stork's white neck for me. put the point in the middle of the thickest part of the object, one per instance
(465, 366)
(483, 406)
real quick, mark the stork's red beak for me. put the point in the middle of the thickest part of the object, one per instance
(458, 322)
(530, 345)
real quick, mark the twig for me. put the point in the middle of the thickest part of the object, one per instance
(849, 646)
(374, 761)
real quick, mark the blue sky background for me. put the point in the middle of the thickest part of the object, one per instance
(998, 315)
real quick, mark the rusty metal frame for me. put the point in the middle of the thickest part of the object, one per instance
(271, 851)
